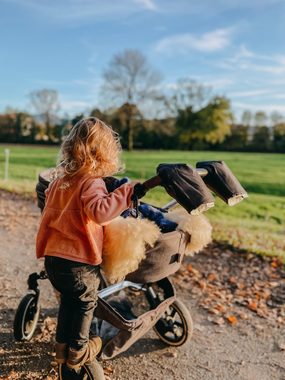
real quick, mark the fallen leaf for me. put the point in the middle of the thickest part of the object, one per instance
(212, 276)
(214, 311)
(232, 320)
(172, 354)
(202, 284)
(241, 285)
(232, 280)
(108, 370)
(252, 305)
(281, 346)
(243, 315)
(192, 270)
(221, 308)
(219, 321)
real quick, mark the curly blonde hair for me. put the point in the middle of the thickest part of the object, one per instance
(90, 147)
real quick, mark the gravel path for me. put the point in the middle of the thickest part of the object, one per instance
(234, 340)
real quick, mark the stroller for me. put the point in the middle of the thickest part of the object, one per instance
(167, 315)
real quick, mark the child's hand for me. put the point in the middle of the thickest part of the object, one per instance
(113, 183)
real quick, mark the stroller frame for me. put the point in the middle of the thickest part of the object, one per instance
(169, 317)
(27, 314)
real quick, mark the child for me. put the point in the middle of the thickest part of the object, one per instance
(70, 235)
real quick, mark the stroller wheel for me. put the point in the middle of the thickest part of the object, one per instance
(175, 326)
(26, 318)
(92, 371)
(64, 373)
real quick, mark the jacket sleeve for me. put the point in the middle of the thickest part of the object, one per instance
(101, 206)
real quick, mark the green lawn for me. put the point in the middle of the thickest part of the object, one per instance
(256, 224)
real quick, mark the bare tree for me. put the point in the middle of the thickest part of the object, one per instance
(46, 104)
(276, 118)
(260, 118)
(246, 118)
(129, 81)
(185, 94)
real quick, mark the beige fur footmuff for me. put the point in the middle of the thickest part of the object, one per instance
(126, 239)
(197, 226)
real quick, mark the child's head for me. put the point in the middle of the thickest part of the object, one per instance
(91, 147)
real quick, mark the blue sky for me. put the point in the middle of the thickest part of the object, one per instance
(236, 46)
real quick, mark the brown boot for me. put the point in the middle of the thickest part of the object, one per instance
(61, 351)
(76, 358)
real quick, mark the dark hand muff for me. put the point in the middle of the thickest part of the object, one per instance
(222, 181)
(187, 186)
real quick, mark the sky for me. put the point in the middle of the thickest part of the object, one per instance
(235, 46)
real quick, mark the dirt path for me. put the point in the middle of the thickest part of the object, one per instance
(236, 301)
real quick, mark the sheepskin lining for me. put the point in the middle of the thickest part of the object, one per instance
(126, 241)
(197, 226)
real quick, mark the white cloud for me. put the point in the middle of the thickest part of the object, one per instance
(60, 83)
(280, 59)
(268, 108)
(76, 10)
(260, 78)
(249, 93)
(148, 4)
(276, 69)
(246, 60)
(213, 8)
(218, 83)
(242, 53)
(278, 96)
(74, 106)
(183, 43)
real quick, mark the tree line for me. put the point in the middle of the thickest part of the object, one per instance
(147, 115)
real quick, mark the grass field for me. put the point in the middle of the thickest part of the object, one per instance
(257, 224)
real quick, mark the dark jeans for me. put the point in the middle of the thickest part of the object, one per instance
(78, 284)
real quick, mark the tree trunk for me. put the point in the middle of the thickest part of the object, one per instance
(130, 135)
(129, 126)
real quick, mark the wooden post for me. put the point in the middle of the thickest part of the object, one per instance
(7, 155)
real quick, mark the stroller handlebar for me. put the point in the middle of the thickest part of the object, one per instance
(202, 172)
(152, 182)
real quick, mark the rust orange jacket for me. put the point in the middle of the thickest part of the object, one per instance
(72, 222)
